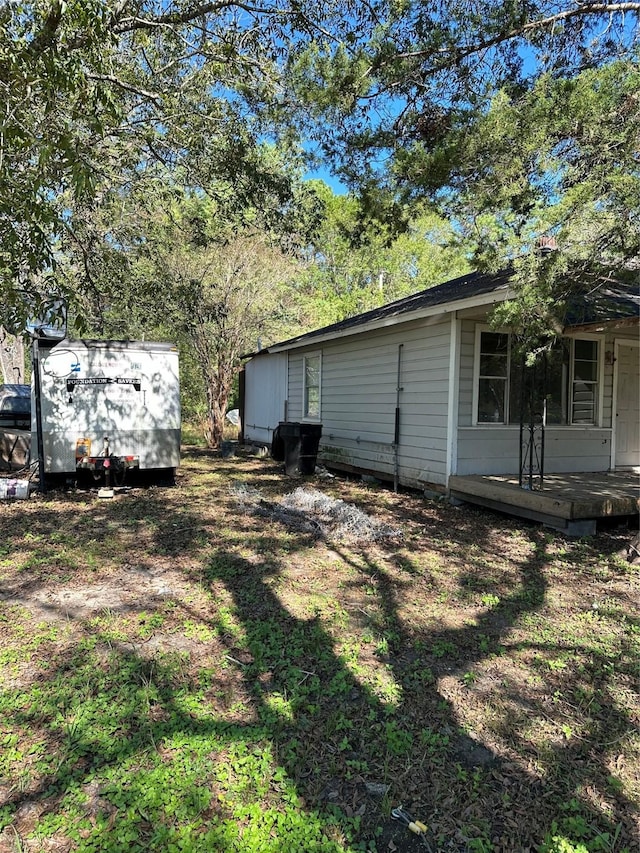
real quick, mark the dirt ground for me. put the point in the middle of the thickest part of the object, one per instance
(478, 671)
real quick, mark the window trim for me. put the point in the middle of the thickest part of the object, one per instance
(485, 327)
(480, 328)
(305, 415)
(476, 377)
(599, 397)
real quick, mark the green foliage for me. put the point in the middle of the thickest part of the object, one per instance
(558, 160)
(50, 98)
(99, 98)
(517, 120)
(438, 64)
(416, 101)
(399, 742)
(184, 266)
(575, 835)
(151, 785)
(360, 262)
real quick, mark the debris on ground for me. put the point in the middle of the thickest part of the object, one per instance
(312, 512)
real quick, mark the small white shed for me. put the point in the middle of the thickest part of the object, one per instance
(265, 396)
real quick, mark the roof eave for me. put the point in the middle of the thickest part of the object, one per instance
(500, 294)
(603, 325)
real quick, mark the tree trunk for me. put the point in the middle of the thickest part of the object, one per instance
(217, 410)
(218, 389)
(219, 365)
(11, 358)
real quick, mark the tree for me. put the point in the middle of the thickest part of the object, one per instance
(180, 265)
(11, 358)
(358, 263)
(94, 94)
(517, 119)
(97, 93)
(45, 111)
(419, 65)
(222, 297)
(560, 160)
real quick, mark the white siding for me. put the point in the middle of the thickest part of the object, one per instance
(265, 395)
(295, 384)
(496, 450)
(358, 401)
(359, 382)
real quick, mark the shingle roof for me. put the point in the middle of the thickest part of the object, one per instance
(464, 287)
(610, 302)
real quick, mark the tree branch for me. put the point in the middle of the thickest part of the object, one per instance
(191, 14)
(47, 34)
(127, 87)
(591, 9)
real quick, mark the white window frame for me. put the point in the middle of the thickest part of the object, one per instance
(305, 414)
(599, 402)
(484, 327)
(480, 328)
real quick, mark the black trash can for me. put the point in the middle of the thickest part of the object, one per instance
(301, 442)
(277, 446)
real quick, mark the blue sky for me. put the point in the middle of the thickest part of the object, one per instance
(329, 178)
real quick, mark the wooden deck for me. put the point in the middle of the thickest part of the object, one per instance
(569, 502)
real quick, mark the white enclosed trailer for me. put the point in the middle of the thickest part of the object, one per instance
(108, 406)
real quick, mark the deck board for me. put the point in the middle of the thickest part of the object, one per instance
(564, 498)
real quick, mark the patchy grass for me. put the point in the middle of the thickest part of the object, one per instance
(181, 674)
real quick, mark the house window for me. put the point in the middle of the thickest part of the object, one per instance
(568, 382)
(494, 373)
(311, 391)
(584, 385)
(552, 377)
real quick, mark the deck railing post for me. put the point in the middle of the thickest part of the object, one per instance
(532, 435)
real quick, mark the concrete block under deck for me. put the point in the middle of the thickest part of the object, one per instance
(569, 502)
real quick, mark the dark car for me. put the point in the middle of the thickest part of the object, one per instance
(15, 406)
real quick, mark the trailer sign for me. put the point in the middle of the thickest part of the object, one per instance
(103, 380)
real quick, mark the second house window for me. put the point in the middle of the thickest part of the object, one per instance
(567, 387)
(311, 407)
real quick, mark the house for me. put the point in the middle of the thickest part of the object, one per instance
(423, 392)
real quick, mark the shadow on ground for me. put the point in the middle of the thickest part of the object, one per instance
(252, 689)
